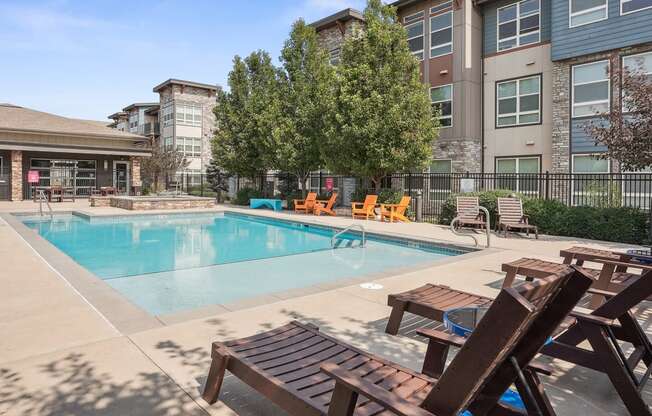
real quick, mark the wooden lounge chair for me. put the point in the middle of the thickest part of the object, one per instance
(326, 207)
(306, 205)
(365, 209)
(602, 328)
(306, 372)
(468, 211)
(393, 212)
(511, 217)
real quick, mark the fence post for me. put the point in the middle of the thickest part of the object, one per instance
(201, 184)
(419, 208)
(547, 195)
(320, 177)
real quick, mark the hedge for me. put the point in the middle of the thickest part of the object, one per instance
(617, 224)
(243, 196)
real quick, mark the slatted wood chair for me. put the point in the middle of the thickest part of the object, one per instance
(308, 373)
(578, 255)
(366, 209)
(326, 207)
(468, 211)
(306, 205)
(510, 217)
(604, 329)
(391, 212)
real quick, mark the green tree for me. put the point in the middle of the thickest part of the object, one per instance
(306, 81)
(383, 120)
(245, 116)
(217, 178)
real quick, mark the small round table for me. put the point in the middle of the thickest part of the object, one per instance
(462, 322)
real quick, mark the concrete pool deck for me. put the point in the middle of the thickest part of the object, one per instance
(60, 355)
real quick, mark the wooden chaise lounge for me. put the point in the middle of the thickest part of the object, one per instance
(510, 217)
(468, 211)
(306, 372)
(579, 255)
(602, 328)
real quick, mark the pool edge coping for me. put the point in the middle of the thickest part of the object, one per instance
(129, 318)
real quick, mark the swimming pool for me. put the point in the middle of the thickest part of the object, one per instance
(170, 263)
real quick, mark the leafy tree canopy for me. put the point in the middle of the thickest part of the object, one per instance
(382, 119)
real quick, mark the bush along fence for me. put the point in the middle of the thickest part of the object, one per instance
(588, 199)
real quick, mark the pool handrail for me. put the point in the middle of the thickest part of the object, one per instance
(349, 228)
(488, 217)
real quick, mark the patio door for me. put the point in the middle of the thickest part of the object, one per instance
(4, 181)
(121, 177)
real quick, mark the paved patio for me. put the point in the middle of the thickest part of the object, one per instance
(59, 355)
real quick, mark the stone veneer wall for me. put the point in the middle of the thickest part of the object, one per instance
(464, 153)
(147, 204)
(135, 172)
(202, 96)
(332, 37)
(561, 112)
(16, 175)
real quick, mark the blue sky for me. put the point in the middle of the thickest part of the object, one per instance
(88, 59)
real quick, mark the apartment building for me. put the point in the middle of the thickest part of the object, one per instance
(182, 118)
(517, 80)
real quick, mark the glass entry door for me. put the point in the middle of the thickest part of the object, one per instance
(121, 177)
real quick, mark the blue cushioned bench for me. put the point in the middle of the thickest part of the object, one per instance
(274, 204)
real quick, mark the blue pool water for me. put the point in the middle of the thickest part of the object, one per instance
(171, 263)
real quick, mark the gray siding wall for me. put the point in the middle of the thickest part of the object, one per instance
(615, 32)
(491, 21)
(581, 142)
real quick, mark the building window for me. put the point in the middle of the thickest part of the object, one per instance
(591, 89)
(441, 7)
(133, 122)
(415, 39)
(167, 114)
(639, 64)
(441, 34)
(189, 146)
(442, 100)
(518, 24)
(518, 102)
(591, 183)
(583, 12)
(188, 114)
(519, 174)
(631, 6)
(334, 56)
(441, 166)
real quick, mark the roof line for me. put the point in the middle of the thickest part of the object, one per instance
(184, 82)
(345, 14)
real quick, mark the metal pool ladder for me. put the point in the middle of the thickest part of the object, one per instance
(456, 219)
(42, 198)
(349, 228)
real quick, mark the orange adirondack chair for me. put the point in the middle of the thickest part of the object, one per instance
(393, 212)
(326, 206)
(306, 205)
(366, 209)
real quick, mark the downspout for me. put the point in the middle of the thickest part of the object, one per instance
(482, 109)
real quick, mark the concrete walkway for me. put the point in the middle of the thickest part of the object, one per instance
(60, 356)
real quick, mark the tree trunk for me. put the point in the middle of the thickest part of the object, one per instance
(302, 184)
(376, 181)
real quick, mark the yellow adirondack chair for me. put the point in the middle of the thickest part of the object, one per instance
(365, 209)
(393, 212)
(326, 207)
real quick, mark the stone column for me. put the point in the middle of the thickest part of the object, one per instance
(136, 181)
(16, 175)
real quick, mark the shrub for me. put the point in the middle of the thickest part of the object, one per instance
(488, 199)
(358, 195)
(618, 224)
(243, 196)
(289, 199)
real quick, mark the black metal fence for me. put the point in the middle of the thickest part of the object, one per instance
(600, 190)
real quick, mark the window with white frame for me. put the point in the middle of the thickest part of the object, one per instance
(591, 89)
(583, 12)
(133, 122)
(189, 146)
(441, 166)
(519, 24)
(167, 114)
(334, 56)
(442, 100)
(639, 64)
(518, 174)
(415, 37)
(631, 6)
(188, 114)
(168, 142)
(441, 7)
(518, 102)
(441, 34)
